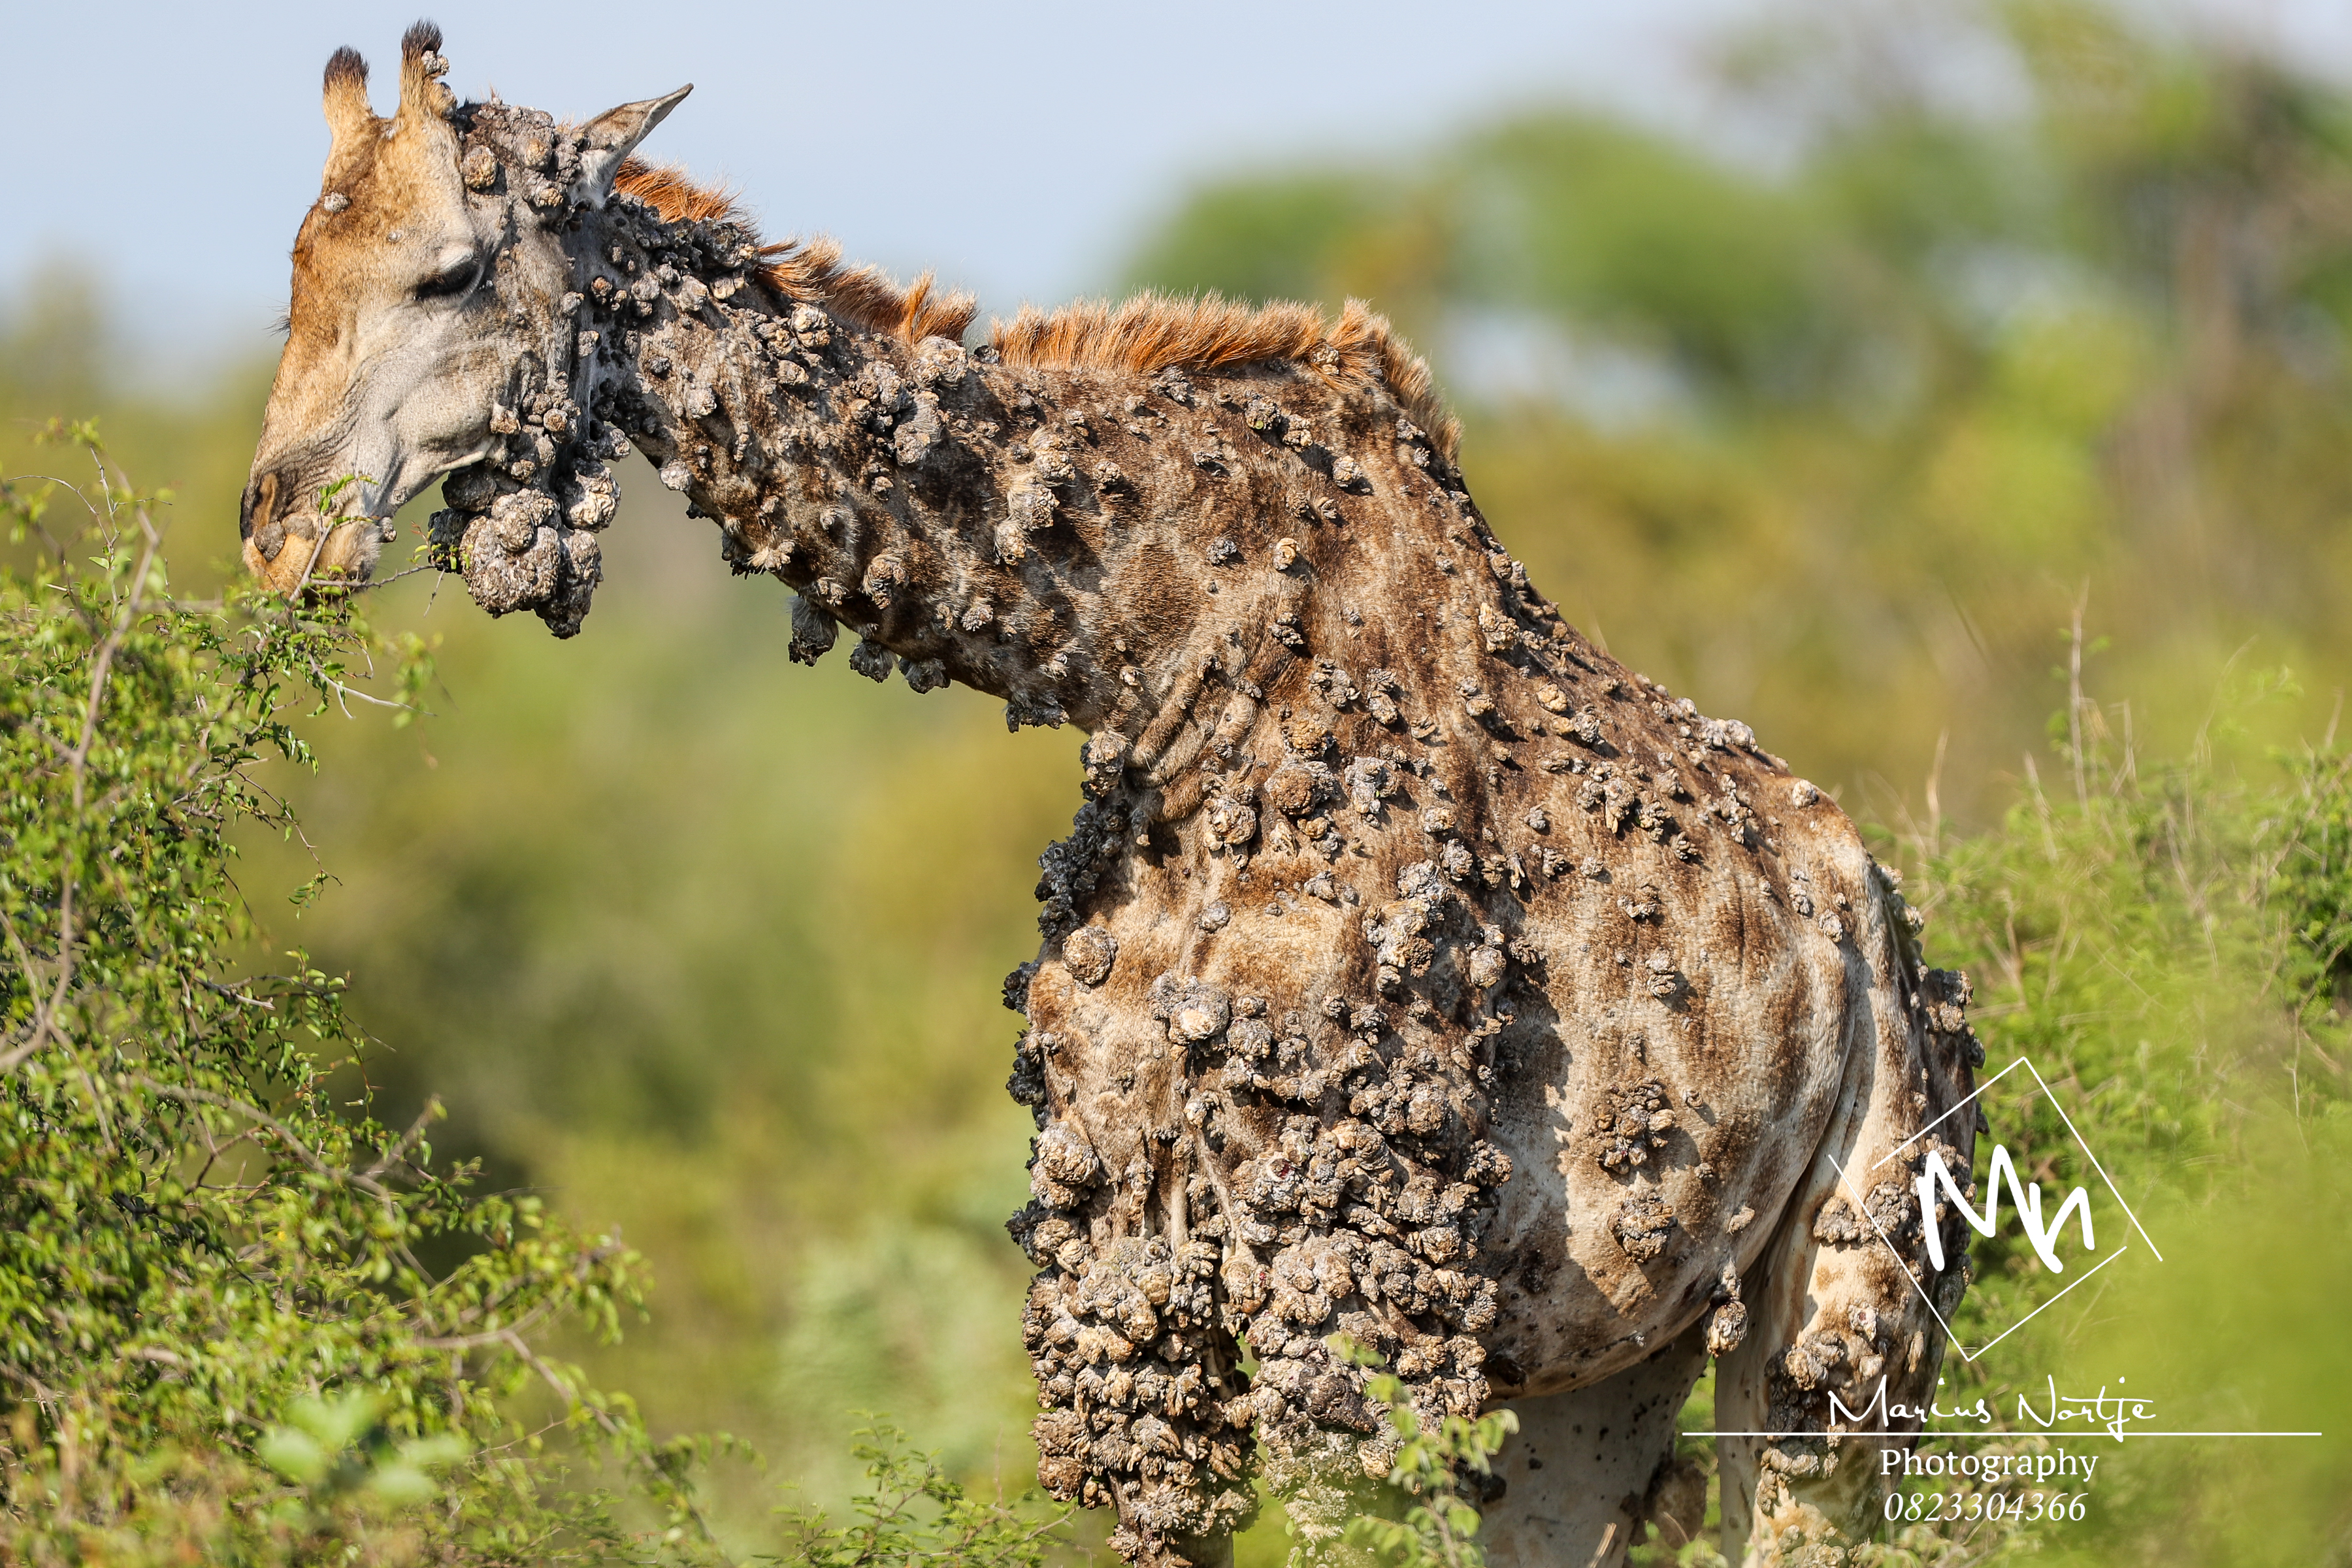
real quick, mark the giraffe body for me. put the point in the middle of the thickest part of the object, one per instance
(1413, 971)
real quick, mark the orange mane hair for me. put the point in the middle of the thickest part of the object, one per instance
(866, 297)
(1150, 332)
(1145, 333)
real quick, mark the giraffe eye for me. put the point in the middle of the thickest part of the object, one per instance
(451, 281)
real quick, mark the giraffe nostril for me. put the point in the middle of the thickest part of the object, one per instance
(260, 502)
(258, 518)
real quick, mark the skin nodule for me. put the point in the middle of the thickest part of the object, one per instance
(1413, 971)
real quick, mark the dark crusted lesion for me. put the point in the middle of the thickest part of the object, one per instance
(1642, 1224)
(1074, 867)
(1637, 1120)
(1333, 1179)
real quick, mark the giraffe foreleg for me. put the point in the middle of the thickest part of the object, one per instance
(1844, 1335)
(1584, 1466)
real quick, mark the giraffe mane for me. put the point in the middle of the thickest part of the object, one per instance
(1142, 334)
(1152, 332)
(866, 297)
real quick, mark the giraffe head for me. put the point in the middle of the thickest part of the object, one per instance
(429, 306)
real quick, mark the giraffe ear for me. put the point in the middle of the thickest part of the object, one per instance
(422, 66)
(610, 138)
(351, 121)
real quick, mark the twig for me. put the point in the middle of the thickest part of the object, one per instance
(2074, 698)
(399, 1150)
(1934, 796)
(612, 1428)
(342, 692)
(461, 1343)
(2042, 808)
(263, 1119)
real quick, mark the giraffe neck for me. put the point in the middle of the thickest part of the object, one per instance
(951, 514)
(1090, 545)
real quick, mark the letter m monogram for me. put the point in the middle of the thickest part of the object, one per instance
(2026, 1196)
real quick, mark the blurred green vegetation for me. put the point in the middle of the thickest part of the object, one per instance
(1831, 430)
(1833, 437)
(2165, 940)
(217, 1341)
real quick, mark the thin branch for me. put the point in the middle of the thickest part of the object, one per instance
(344, 691)
(464, 1342)
(263, 1119)
(398, 1152)
(2075, 697)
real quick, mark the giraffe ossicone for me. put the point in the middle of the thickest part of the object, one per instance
(1413, 971)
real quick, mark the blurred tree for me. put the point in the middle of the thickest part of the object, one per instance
(1837, 446)
(62, 353)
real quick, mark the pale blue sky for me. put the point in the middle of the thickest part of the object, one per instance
(1014, 147)
(1010, 146)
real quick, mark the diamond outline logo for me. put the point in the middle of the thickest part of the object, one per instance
(1993, 1200)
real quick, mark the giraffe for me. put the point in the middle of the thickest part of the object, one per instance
(1413, 971)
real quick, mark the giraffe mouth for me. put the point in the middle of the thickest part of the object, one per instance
(278, 513)
(306, 551)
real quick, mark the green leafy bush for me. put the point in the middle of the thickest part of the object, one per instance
(913, 1511)
(219, 1338)
(2164, 941)
(1434, 1521)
